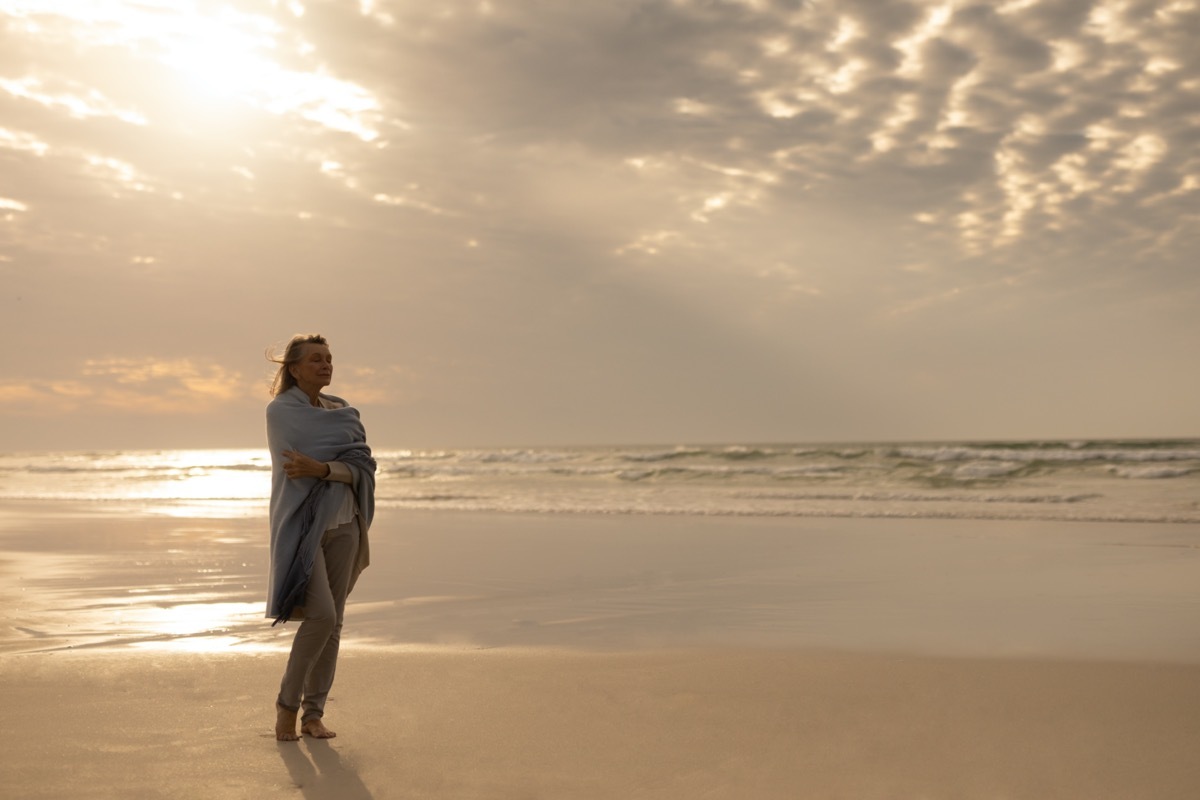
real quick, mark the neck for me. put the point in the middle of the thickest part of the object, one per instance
(313, 391)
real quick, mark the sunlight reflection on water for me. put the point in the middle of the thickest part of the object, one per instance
(200, 482)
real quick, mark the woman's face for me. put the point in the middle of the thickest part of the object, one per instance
(315, 368)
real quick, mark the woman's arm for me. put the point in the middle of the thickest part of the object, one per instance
(299, 465)
(339, 472)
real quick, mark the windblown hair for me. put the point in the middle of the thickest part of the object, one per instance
(291, 355)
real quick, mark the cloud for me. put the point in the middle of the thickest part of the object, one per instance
(477, 190)
(1000, 116)
(130, 385)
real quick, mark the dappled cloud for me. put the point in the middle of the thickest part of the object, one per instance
(998, 126)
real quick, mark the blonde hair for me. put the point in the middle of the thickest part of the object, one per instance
(291, 355)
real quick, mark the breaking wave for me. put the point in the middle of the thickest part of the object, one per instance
(1146, 480)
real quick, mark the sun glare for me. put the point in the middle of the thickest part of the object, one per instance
(218, 51)
(223, 54)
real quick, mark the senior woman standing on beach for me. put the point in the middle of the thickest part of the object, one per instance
(322, 502)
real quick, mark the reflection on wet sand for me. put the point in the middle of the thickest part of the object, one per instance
(73, 580)
(149, 582)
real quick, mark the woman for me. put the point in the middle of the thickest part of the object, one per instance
(322, 502)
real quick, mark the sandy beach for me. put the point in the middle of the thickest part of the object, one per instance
(509, 656)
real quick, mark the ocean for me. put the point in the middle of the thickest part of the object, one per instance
(1113, 480)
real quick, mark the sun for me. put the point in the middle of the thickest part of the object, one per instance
(225, 53)
(252, 52)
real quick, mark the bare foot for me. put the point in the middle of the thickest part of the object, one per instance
(285, 725)
(316, 729)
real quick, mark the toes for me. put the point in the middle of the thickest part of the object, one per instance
(317, 732)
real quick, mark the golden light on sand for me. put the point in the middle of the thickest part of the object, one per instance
(193, 627)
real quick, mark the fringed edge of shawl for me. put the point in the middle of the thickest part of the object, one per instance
(307, 521)
(359, 457)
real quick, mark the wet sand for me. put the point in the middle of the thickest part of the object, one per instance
(498, 656)
(728, 723)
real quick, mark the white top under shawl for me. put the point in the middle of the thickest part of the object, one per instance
(340, 473)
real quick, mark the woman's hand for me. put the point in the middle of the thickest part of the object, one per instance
(299, 465)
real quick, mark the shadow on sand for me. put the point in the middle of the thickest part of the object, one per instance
(318, 771)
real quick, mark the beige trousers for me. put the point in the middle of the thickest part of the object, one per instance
(313, 661)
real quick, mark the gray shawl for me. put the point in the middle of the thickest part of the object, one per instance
(303, 509)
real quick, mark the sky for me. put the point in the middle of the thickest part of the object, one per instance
(621, 222)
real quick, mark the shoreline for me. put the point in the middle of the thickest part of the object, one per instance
(242, 509)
